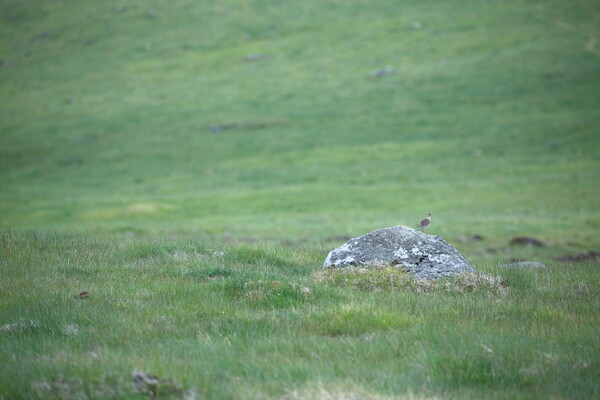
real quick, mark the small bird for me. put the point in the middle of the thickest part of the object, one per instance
(424, 224)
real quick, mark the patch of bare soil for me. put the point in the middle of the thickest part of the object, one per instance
(589, 256)
(527, 241)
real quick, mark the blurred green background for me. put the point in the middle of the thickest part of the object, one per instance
(301, 121)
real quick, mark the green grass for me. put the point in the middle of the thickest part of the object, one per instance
(201, 247)
(489, 120)
(234, 321)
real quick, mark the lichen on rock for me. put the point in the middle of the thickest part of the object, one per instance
(425, 256)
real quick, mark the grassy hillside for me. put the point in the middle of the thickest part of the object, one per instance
(241, 321)
(489, 119)
(190, 163)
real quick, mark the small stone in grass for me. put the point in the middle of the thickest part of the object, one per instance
(523, 264)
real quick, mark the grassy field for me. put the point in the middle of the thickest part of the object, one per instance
(190, 164)
(254, 321)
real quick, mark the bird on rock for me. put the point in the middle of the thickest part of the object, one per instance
(424, 224)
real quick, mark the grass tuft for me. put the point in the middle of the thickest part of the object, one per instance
(355, 320)
(380, 279)
(209, 273)
(346, 391)
(272, 293)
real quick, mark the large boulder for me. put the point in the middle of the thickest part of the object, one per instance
(426, 256)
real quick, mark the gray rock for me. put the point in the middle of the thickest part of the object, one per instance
(381, 72)
(523, 264)
(426, 256)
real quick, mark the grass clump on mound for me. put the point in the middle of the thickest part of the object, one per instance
(379, 279)
(354, 320)
(268, 293)
(345, 391)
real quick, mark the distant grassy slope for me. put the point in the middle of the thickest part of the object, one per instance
(490, 120)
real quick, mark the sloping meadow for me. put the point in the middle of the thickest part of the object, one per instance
(200, 159)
